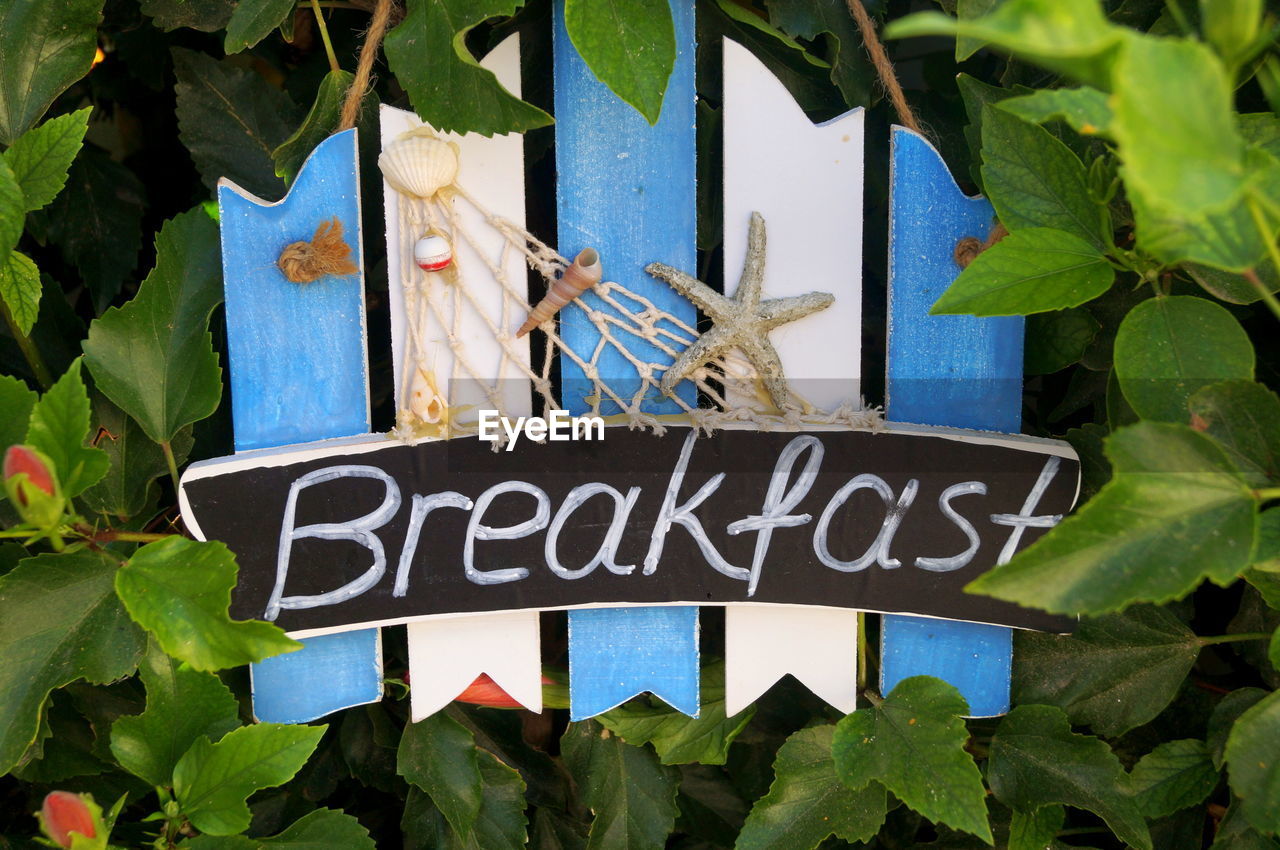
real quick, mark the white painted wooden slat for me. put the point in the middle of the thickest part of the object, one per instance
(806, 181)
(446, 655)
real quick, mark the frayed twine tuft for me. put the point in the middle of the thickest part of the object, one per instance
(326, 254)
(968, 248)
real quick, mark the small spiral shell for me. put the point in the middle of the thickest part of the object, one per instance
(577, 279)
(425, 402)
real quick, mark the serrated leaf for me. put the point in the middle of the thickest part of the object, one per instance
(1223, 718)
(968, 10)
(1034, 180)
(630, 45)
(136, 462)
(1031, 271)
(1244, 417)
(1173, 776)
(41, 156)
(1236, 833)
(62, 622)
(807, 802)
(16, 401)
(913, 744)
(321, 120)
(1036, 760)
(1058, 339)
(427, 52)
(182, 705)
(1071, 37)
(1232, 286)
(13, 210)
(59, 427)
(322, 829)
(680, 739)
(20, 289)
(230, 119)
(1174, 513)
(632, 795)
(439, 756)
(212, 782)
(252, 21)
(204, 15)
(1114, 673)
(46, 47)
(1168, 348)
(1085, 109)
(1037, 829)
(850, 70)
(555, 831)
(1253, 763)
(154, 356)
(501, 824)
(1266, 557)
(180, 590)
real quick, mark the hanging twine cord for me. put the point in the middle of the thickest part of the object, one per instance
(364, 68)
(884, 68)
(326, 254)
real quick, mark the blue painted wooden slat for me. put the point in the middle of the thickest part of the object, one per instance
(299, 372)
(629, 190)
(944, 370)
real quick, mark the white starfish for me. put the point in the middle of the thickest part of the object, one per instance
(741, 322)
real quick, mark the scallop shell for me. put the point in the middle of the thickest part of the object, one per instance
(577, 279)
(419, 164)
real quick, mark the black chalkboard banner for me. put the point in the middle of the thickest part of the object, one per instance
(336, 535)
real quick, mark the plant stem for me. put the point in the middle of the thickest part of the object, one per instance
(173, 464)
(1266, 494)
(862, 651)
(1264, 230)
(324, 36)
(1240, 638)
(1268, 297)
(28, 348)
(110, 536)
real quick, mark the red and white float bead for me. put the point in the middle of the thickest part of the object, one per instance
(433, 253)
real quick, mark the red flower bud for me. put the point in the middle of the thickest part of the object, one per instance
(63, 812)
(484, 691)
(20, 459)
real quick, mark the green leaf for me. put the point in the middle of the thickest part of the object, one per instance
(680, 739)
(41, 157)
(439, 756)
(13, 210)
(1244, 417)
(1056, 340)
(46, 47)
(1085, 109)
(1266, 557)
(182, 705)
(1036, 760)
(1114, 674)
(213, 781)
(1174, 513)
(16, 401)
(1072, 37)
(322, 829)
(427, 51)
(179, 590)
(632, 795)
(1034, 180)
(1232, 286)
(1253, 763)
(913, 744)
(807, 802)
(630, 45)
(1175, 126)
(968, 10)
(1235, 833)
(154, 356)
(203, 15)
(321, 120)
(1030, 271)
(62, 622)
(1224, 716)
(59, 427)
(501, 824)
(253, 20)
(1037, 829)
(1175, 775)
(96, 222)
(136, 462)
(231, 119)
(20, 289)
(977, 95)
(850, 70)
(1168, 348)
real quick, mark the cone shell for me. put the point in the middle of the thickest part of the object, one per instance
(425, 402)
(419, 164)
(577, 279)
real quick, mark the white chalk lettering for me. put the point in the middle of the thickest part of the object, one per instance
(476, 530)
(608, 551)
(878, 551)
(422, 505)
(955, 562)
(1023, 520)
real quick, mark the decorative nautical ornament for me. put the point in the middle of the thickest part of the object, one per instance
(426, 403)
(419, 163)
(433, 252)
(577, 279)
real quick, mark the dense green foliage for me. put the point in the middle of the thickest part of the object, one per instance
(1130, 149)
